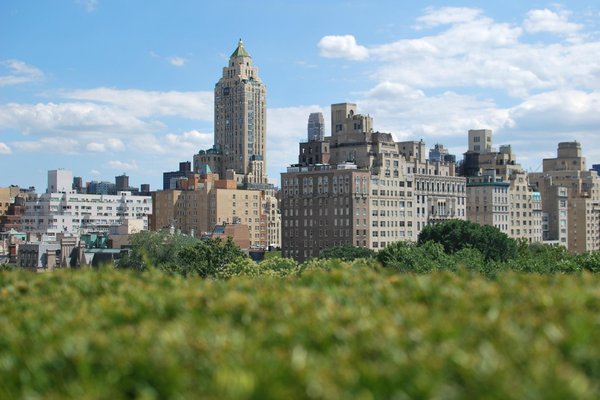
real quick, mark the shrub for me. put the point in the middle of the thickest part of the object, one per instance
(207, 257)
(154, 249)
(589, 261)
(411, 257)
(454, 235)
(338, 331)
(347, 252)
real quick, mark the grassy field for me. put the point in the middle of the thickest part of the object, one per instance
(347, 333)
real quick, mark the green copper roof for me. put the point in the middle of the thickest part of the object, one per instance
(205, 170)
(240, 51)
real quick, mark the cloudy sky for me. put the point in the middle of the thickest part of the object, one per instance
(103, 87)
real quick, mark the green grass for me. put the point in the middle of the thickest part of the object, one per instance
(347, 333)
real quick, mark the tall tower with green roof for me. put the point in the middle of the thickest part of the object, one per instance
(241, 119)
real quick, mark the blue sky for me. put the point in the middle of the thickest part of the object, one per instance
(105, 87)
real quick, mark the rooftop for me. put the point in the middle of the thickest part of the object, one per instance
(240, 51)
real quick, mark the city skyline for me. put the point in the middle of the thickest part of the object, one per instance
(90, 87)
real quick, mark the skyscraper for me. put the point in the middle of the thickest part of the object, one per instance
(240, 119)
(316, 127)
(122, 182)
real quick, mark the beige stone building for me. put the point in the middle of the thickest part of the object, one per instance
(240, 123)
(480, 141)
(7, 197)
(273, 221)
(362, 188)
(440, 194)
(554, 208)
(207, 201)
(487, 202)
(485, 168)
(239, 150)
(525, 209)
(568, 170)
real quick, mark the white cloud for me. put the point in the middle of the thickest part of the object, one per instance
(59, 145)
(343, 46)
(447, 15)
(110, 144)
(474, 51)
(4, 149)
(142, 103)
(94, 172)
(410, 114)
(18, 72)
(189, 142)
(95, 147)
(115, 144)
(549, 21)
(559, 111)
(122, 165)
(435, 86)
(71, 118)
(177, 61)
(148, 144)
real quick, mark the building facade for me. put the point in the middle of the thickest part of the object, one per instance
(60, 212)
(568, 174)
(206, 202)
(316, 127)
(241, 120)
(323, 207)
(360, 187)
(494, 177)
(170, 178)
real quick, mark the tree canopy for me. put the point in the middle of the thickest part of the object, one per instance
(455, 235)
(347, 252)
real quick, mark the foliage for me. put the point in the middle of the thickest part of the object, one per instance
(180, 254)
(339, 331)
(207, 257)
(154, 249)
(542, 258)
(347, 252)
(456, 234)
(272, 254)
(589, 261)
(8, 267)
(411, 257)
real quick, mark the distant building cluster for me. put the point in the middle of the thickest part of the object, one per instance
(357, 186)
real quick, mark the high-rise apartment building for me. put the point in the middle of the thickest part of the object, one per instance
(360, 187)
(77, 184)
(554, 208)
(439, 153)
(59, 180)
(488, 201)
(568, 172)
(122, 182)
(480, 140)
(316, 127)
(236, 160)
(241, 120)
(493, 177)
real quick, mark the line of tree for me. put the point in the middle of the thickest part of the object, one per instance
(453, 245)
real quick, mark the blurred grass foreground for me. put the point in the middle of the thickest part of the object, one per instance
(343, 331)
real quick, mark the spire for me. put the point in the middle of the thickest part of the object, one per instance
(240, 51)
